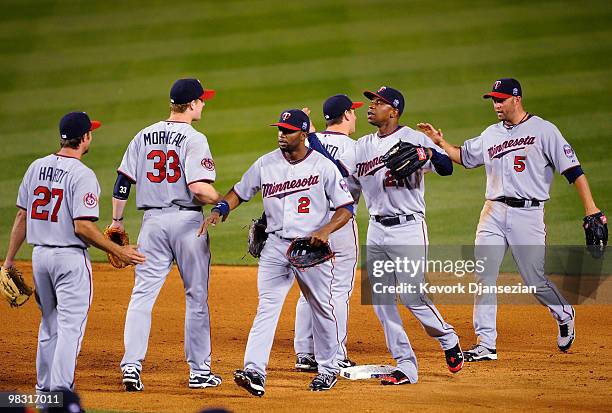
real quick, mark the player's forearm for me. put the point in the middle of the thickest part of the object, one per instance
(584, 192)
(453, 152)
(89, 232)
(18, 234)
(205, 193)
(338, 220)
(118, 209)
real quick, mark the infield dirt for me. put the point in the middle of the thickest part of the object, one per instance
(530, 373)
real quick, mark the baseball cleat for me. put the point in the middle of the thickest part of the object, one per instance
(201, 381)
(567, 334)
(346, 363)
(480, 353)
(131, 379)
(323, 382)
(395, 378)
(306, 362)
(250, 380)
(454, 358)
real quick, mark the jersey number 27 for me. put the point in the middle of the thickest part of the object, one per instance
(44, 201)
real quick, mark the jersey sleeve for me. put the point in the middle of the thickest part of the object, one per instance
(250, 183)
(336, 187)
(85, 196)
(558, 151)
(22, 195)
(199, 164)
(129, 163)
(348, 159)
(472, 153)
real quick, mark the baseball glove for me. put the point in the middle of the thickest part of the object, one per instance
(13, 287)
(404, 159)
(257, 235)
(596, 233)
(119, 237)
(301, 254)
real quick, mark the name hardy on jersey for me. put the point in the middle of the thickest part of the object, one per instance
(48, 173)
(497, 151)
(276, 189)
(163, 138)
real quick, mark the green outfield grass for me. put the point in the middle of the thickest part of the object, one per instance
(117, 61)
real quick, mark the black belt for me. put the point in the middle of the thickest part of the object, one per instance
(180, 208)
(518, 202)
(392, 221)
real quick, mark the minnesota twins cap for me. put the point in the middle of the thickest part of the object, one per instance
(186, 90)
(337, 105)
(504, 88)
(293, 119)
(391, 96)
(76, 124)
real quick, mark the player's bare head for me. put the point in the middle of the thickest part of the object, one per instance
(506, 95)
(340, 110)
(75, 130)
(187, 97)
(386, 106)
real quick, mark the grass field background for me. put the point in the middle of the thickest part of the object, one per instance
(117, 61)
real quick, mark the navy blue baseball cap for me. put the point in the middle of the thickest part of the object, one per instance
(337, 105)
(186, 90)
(76, 124)
(391, 96)
(293, 119)
(504, 88)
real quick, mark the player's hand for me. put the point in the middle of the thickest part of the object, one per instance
(312, 127)
(319, 237)
(118, 225)
(8, 263)
(130, 255)
(435, 135)
(213, 219)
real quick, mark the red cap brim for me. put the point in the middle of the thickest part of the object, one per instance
(356, 105)
(208, 94)
(496, 95)
(286, 126)
(95, 124)
(371, 95)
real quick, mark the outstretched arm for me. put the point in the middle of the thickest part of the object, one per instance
(88, 232)
(436, 135)
(18, 234)
(220, 211)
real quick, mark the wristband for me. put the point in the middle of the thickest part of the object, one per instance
(118, 219)
(222, 208)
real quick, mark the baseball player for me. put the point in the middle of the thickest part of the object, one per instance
(397, 229)
(171, 164)
(297, 185)
(57, 206)
(520, 154)
(339, 115)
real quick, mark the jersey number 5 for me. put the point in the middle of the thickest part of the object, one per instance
(160, 158)
(303, 204)
(44, 201)
(519, 163)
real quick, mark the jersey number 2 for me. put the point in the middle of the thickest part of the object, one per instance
(44, 201)
(303, 204)
(160, 166)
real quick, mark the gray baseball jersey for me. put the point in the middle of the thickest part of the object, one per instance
(295, 195)
(384, 195)
(520, 161)
(163, 159)
(56, 190)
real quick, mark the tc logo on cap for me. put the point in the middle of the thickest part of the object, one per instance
(285, 116)
(497, 84)
(382, 89)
